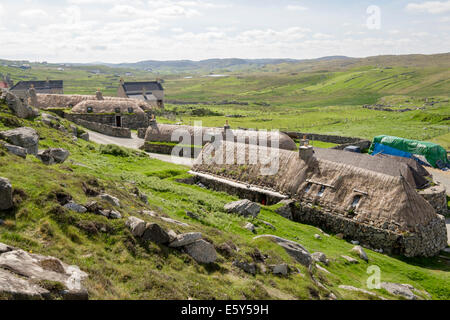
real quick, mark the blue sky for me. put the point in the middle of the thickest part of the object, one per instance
(128, 31)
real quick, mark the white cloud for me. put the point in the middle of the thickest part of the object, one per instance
(33, 13)
(322, 36)
(434, 7)
(296, 8)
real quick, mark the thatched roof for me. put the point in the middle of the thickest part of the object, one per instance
(45, 101)
(387, 165)
(107, 106)
(164, 133)
(384, 199)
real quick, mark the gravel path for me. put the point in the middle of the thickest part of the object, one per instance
(135, 143)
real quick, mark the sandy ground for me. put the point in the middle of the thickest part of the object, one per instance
(135, 143)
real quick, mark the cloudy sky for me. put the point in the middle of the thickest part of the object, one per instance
(129, 31)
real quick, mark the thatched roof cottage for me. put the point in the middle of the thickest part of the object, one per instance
(378, 208)
(158, 132)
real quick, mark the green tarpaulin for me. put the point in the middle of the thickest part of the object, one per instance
(431, 151)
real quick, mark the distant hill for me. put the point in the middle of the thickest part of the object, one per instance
(211, 65)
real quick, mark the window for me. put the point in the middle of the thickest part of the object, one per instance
(89, 109)
(321, 191)
(130, 110)
(356, 200)
(308, 187)
(117, 110)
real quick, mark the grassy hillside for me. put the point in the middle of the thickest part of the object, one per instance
(122, 267)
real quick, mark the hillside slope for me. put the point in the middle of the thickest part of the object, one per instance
(121, 266)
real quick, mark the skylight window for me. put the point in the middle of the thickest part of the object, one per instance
(308, 187)
(321, 192)
(356, 201)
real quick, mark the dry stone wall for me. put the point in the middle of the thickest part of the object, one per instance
(104, 129)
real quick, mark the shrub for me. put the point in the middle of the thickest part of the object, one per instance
(114, 150)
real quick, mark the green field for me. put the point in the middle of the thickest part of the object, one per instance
(122, 267)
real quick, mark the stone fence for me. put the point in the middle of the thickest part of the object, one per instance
(103, 128)
(342, 142)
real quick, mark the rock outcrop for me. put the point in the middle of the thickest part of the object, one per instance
(185, 239)
(24, 276)
(202, 251)
(53, 155)
(361, 253)
(112, 200)
(244, 208)
(19, 108)
(23, 137)
(6, 197)
(294, 249)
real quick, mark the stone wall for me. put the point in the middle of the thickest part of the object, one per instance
(427, 241)
(362, 144)
(130, 121)
(104, 128)
(167, 149)
(437, 197)
(142, 132)
(343, 142)
(242, 192)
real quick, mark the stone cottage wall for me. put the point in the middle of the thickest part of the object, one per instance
(130, 121)
(427, 241)
(437, 197)
(104, 128)
(167, 149)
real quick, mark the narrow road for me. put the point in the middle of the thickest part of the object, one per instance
(135, 143)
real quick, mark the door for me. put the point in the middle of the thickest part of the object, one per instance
(118, 121)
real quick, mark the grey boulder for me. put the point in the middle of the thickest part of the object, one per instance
(23, 137)
(6, 197)
(280, 269)
(286, 210)
(53, 155)
(320, 257)
(16, 150)
(361, 253)
(154, 233)
(244, 208)
(185, 239)
(202, 251)
(18, 107)
(84, 136)
(294, 249)
(245, 266)
(72, 206)
(23, 269)
(112, 200)
(136, 226)
(402, 290)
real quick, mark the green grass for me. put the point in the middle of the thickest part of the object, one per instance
(121, 267)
